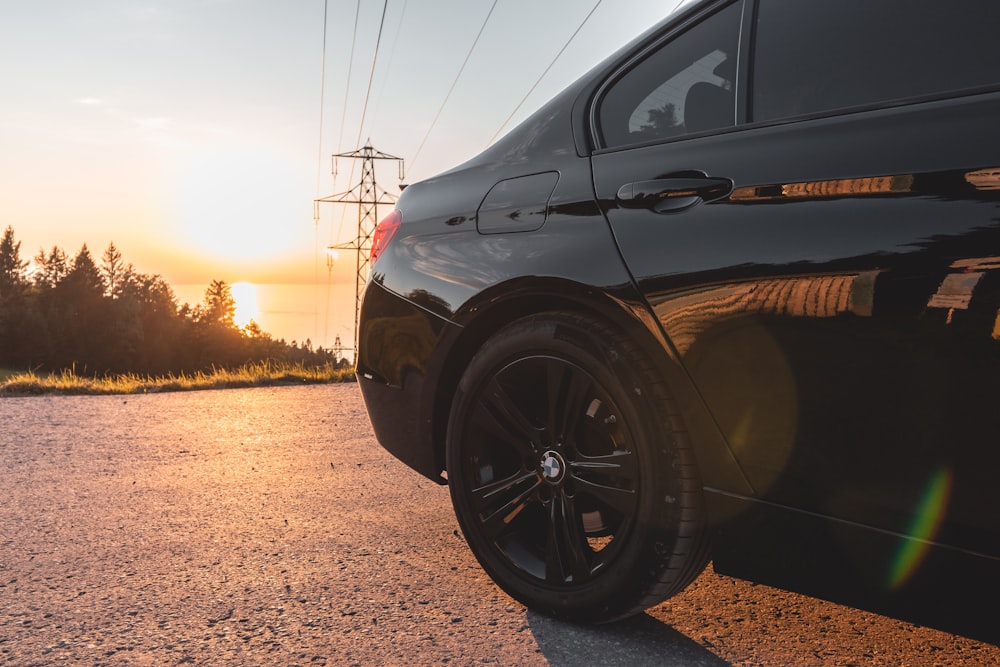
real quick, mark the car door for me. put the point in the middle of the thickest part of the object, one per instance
(807, 195)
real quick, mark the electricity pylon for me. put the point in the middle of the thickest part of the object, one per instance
(338, 349)
(367, 195)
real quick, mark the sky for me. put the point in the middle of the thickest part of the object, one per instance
(195, 134)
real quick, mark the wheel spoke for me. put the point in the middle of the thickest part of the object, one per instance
(568, 389)
(565, 555)
(500, 415)
(617, 466)
(499, 502)
(622, 500)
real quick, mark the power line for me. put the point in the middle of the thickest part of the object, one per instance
(368, 91)
(319, 171)
(371, 75)
(392, 58)
(343, 117)
(322, 92)
(453, 83)
(347, 87)
(366, 197)
(537, 81)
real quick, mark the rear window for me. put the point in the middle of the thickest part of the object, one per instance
(816, 57)
(687, 85)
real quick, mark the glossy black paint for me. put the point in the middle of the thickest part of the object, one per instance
(822, 294)
(815, 337)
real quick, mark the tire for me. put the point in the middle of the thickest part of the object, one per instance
(570, 474)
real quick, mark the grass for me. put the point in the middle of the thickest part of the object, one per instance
(263, 374)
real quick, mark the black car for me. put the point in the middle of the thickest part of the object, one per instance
(733, 296)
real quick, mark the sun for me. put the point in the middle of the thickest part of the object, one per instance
(245, 296)
(241, 204)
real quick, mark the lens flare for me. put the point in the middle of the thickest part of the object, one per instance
(924, 528)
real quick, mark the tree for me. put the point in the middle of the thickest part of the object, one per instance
(84, 277)
(114, 270)
(220, 306)
(12, 269)
(52, 268)
(13, 287)
(662, 123)
(81, 319)
(109, 318)
(217, 339)
(148, 327)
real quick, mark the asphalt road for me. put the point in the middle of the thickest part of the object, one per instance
(266, 527)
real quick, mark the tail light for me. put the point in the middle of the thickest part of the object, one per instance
(384, 232)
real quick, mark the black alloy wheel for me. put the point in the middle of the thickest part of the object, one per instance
(572, 487)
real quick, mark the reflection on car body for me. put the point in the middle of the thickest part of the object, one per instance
(731, 297)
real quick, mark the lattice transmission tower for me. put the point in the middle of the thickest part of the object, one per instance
(367, 195)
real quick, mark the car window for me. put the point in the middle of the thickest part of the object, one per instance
(685, 86)
(815, 57)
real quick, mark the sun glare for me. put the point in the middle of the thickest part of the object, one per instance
(245, 296)
(241, 204)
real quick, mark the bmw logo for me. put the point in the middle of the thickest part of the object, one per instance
(553, 466)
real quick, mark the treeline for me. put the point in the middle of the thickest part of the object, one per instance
(104, 317)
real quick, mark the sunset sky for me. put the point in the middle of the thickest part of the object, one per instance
(191, 132)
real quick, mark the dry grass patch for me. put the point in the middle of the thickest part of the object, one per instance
(263, 374)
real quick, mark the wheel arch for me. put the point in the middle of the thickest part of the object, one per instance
(619, 307)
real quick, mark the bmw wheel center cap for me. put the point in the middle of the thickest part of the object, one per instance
(553, 467)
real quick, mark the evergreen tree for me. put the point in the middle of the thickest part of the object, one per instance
(114, 270)
(219, 341)
(84, 277)
(12, 269)
(52, 268)
(109, 318)
(13, 294)
(220, 306)
(156, 330)
(80, 316)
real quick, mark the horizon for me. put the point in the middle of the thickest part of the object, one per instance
(317, 312)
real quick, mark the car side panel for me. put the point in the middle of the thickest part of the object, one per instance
(839, 311)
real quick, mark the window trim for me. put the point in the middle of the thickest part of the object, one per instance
(743, 86)
(597, 137)
(876, 106)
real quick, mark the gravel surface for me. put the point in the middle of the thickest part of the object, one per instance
(266, 527)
